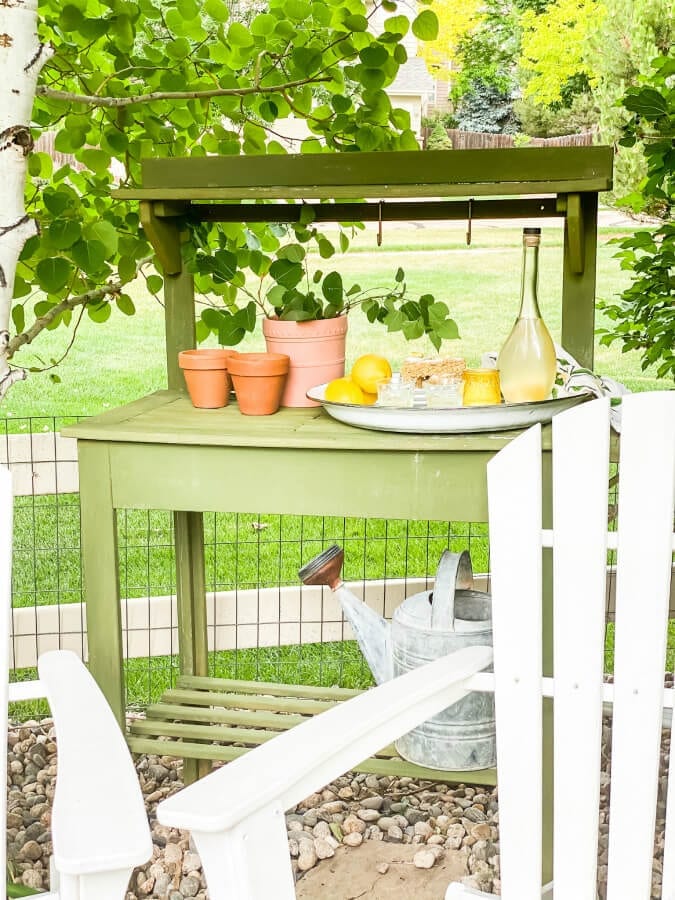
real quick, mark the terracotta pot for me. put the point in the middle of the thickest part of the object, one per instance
(259, 380)
(206, 377)
(316, 350)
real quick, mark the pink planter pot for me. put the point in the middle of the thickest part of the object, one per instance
(316, 350)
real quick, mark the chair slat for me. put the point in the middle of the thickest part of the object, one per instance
(514, 491)
(644, 560)
(580, 475)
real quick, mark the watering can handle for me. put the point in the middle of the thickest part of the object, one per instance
(454, 573)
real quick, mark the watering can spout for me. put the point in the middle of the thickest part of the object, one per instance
(372, 632)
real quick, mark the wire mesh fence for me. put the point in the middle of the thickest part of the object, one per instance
(263, 624)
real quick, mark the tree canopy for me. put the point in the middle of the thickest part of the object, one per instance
(181, 78)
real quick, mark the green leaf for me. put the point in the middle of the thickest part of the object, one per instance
(53, 273)
(374, 56)
(400, 275)
(333, 289)
(99, 312)
(397, 25)
(239, 36)
(425, 26)
(106, 233)
(217, 10)
(96, 160)
(125, 304)
(187, 8)
(154, 283)
(89, 256)
(63, 233)
(344, 242)
(263, 24)
(356, 23)
(286, 273)
(292, 252)
(18, 317)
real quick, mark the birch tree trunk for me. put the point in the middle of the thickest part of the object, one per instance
(21, 59)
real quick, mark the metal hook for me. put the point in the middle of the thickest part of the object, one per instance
(379, 223)
(468, 224)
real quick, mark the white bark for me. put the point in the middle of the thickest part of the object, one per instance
(21, 59)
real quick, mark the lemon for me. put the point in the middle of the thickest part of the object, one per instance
(343, 390)
(369, 399)
(368, 370)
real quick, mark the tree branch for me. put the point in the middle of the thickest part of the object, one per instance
(116, 102)
(26, 337)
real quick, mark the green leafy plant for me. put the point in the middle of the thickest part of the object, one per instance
(644, 317)
(283, 282)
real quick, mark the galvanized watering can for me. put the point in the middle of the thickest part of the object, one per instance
(424, 627)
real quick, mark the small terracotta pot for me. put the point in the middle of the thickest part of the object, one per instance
(206, 376)
(259, 380)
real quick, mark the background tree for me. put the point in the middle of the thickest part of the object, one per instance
(122, 80)
(644, 317)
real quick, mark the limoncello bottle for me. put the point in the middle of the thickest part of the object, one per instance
(527, 362)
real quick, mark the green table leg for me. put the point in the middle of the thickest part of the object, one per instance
(191, 602)
(100, 575)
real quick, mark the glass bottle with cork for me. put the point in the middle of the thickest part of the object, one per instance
(527, 361)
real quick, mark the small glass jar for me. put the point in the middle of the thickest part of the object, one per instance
(443, 392)
(481, 387)
(394, 393)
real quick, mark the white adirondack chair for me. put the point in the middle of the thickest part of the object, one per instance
(98, 836)
(247, 798)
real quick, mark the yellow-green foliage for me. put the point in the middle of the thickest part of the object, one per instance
(455, 20)
(554, 45)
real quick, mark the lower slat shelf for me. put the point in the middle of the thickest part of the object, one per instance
(217, 719)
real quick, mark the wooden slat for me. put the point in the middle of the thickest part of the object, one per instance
(247, 701)
(644, 561)
(515, 510)
(259, 718)
(191, 732)
(580, 473)
(356, 172)
(395, 767)
(268, 688)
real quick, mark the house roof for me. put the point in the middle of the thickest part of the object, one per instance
(413, 78)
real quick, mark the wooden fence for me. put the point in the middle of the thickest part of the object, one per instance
(483, 140)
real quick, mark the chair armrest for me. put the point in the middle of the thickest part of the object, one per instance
(98, 824)
(283, 771)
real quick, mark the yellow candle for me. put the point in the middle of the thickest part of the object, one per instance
(481, 387)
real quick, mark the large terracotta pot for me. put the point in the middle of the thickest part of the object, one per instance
(206, 378)
(316, 350)
(258, 379)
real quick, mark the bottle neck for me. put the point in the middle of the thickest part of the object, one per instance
(529, 306)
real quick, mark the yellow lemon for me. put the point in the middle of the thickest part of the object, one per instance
(343, 390)
(368, 370)
(369, 399)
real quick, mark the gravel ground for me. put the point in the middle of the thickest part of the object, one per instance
(354, 808)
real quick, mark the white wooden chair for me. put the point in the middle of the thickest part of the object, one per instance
(98, 836)
(247, 798)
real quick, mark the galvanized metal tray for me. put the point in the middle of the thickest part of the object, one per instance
(420, 419)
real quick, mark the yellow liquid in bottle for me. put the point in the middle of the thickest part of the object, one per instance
(527, 362)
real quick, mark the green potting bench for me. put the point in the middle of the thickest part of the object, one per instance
(160, 453)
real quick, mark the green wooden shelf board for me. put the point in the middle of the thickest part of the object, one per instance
(221, 719)
(168, 417)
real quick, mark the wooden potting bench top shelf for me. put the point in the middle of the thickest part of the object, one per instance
(160, 453)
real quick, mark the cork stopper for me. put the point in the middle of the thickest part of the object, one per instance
(531, 237)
